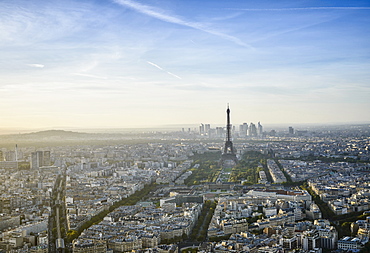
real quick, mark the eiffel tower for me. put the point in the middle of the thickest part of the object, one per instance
(228, 157)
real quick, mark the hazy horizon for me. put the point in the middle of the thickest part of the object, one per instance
(121, 64)
(175, 127)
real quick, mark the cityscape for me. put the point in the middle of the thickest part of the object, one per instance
(204, 189)
(184, 126)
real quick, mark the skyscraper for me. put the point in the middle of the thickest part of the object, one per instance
(207, 128)
(46, 159)
(36, 159)
(252, 130)
(201, 129)
(244, 129)
(259, 129)
(39, 159)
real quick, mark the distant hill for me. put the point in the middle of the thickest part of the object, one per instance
(54, 133)
(43, 136)
(50, 138)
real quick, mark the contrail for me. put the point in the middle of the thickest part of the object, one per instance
(155, 65)
(158, 14)
(160, 68)
(172, 74)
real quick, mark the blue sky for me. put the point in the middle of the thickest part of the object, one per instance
(126, 63)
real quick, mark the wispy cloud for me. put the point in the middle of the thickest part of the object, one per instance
(160, 68)
(88, 75)
(196, 87)
(30, 23)
(302, 8)
(289, 30)
(36, 65)
(159, 14)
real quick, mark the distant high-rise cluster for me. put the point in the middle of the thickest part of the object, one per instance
(40, 159)
(204, 129)
(251, 130)
(245, 129)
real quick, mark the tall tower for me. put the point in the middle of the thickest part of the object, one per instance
(228, 157)
(16, 152)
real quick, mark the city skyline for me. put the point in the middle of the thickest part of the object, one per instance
(123, 63)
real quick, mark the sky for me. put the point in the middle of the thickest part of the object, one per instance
(144, 63)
